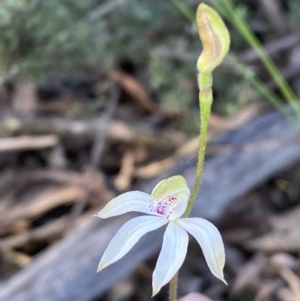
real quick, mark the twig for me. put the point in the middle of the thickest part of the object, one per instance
(83, 131)
(248, 56)
(123, 179)
(274, 13)
(46, 200)
(135, 90)
(272, 48)
(49, 231)
(27, 143)
(95, 157)
(104, 9)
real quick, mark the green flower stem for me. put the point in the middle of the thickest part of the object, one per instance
(215, 39)
(173, 288)
(205, 102)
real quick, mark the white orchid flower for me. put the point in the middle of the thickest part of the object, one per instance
(165, 206)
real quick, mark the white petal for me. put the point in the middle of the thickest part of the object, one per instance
(182, 201)
(171, 256)
(128, 236)
(210, 240)
(129, 201)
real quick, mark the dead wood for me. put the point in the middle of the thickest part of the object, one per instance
(66, 271)
(29, 195)
(135, 90)
(48, 232)
(12, 261)
(292, 293)
(84, 131)
(27, 143)
(24, 99)
(95, 157)
(188, 149)
(267, 289)
(274, 12)
(284, 235)
(124, 178)
(54, 176)
(44, 201)
(273, 48)
(248, 56)
(250, 275)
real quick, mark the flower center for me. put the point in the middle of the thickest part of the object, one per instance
(164, 206)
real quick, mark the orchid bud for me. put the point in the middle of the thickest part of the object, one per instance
(214, 36)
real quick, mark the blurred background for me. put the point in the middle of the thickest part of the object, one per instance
(100, 97)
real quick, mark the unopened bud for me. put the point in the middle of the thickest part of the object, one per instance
(214, 36)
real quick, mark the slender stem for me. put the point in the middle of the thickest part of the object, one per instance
(264, 90)
(173, 288)
(236, 18)
(205, 102)
(185, 9)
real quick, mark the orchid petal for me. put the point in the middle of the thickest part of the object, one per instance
(129, 201)
(128, 235)
(172, 185)
(182, 201)
(171, 256)
(173, 193)
(210, 240)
